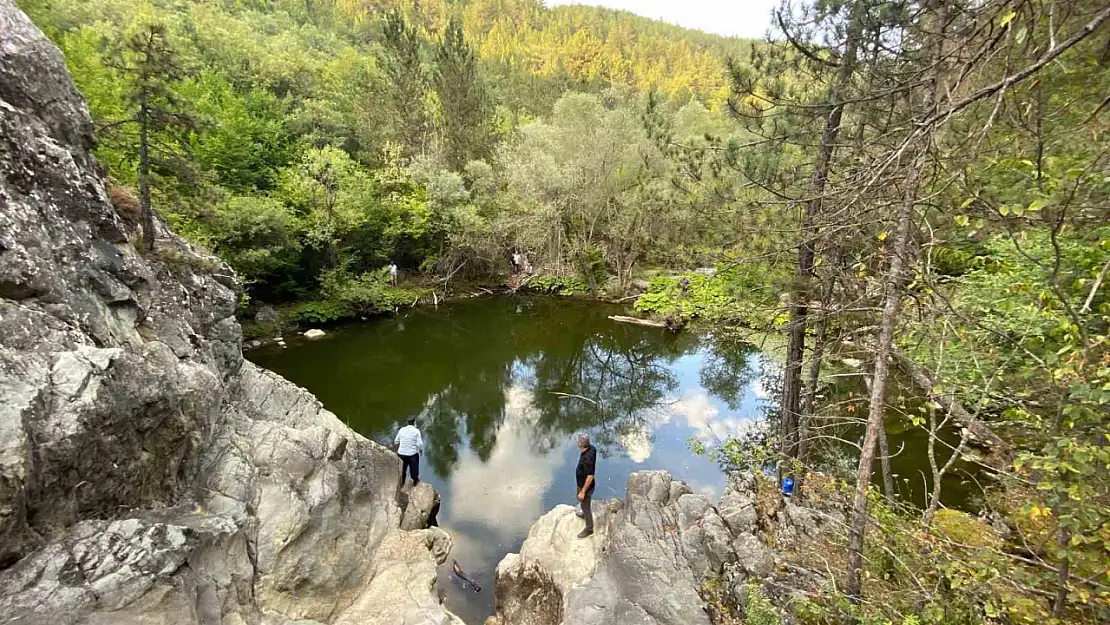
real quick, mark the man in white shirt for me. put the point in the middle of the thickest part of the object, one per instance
(409, 445)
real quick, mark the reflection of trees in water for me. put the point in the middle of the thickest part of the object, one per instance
(452, 369)
(584, 373)
(732, 371)
(728, 370)
(609, 385)
(439, 423)
(474, 403)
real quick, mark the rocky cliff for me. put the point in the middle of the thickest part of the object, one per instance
(148, 474)
(662, 556)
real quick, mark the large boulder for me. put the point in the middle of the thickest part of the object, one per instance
(148, 474)
(553, 543)
(526, 594)
(738, 506)
(421, 504)
(754, 557)
(646, 564)
(663, 556)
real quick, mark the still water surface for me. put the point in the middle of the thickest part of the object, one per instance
(500, 387)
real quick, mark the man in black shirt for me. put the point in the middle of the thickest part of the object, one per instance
(587, 462)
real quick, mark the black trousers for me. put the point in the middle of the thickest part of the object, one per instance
(411, 464)
(588, 510)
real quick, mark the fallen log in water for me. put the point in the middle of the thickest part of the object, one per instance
(638, 321)
(980, 434)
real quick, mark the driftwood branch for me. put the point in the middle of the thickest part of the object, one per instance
(1094, 287)
(638, 321)
(573, 396)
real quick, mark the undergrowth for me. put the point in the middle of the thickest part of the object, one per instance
(557, 285)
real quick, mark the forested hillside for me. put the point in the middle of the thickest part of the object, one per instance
(312, 143)
(526, 47)
(924, 187)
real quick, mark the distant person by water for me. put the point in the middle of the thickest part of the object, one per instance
(393, 273)
(516, 262)
(409, 445)
(584, 474)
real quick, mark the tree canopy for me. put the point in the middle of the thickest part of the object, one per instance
(923, 187)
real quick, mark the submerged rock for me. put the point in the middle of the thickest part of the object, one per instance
(147, 472)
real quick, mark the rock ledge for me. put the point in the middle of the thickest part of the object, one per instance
(148, 474)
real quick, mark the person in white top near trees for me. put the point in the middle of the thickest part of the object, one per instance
(409, 445)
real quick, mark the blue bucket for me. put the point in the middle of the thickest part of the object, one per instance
(787, 486)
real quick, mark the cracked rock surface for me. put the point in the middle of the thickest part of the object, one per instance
(651, 557)
(148, 474)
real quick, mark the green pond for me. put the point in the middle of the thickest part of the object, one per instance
(501, 385)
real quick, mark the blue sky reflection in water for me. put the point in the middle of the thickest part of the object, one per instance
(500, 387)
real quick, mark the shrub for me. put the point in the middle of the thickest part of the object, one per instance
(319, 312)
(964, 529)
(727, 296)
(258, 236)
(367, 293)
(758, 609)
(557, 285)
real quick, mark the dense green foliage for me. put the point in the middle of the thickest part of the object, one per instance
(557, 285)
(928, 180)
(332, 135)
(962, 229)
(739, 293)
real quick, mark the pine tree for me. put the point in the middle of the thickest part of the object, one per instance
(788, 114)
(149, 64)
(466, 107)
(408, 82)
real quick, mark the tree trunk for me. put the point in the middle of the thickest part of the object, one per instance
(820, 337)
(1063, 572)
(803, 269)
(933, 502)
(884, 450)
(1063, 568)
(587, 269)
(891, 306)
(146, 210)
(810, 398)
(884, 462)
